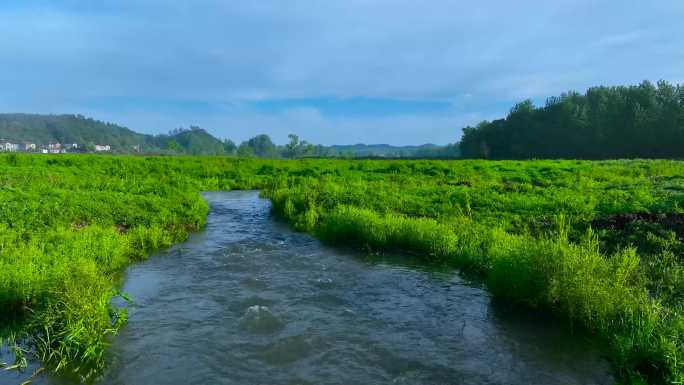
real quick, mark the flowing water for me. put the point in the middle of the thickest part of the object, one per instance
(248, 301)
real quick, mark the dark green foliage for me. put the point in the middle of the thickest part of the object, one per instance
(44, 129)
(86, 132)
(259, 146)
(193, 141)
(229, 147)
(643, 121)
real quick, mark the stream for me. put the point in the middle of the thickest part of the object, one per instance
(248, 301)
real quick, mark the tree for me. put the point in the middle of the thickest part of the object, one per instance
(644, 121)
(261, 146)
(229, 147)
(297, 149)
(245, 151)
(292, 147)
(173, 145)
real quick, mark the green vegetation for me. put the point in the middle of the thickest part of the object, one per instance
(86, 132)
(598, 244)
(643, 121)
(44, 129)
(426, 151)
(193, 141)
(68, 226)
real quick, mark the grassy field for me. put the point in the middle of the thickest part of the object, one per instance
(599, 244)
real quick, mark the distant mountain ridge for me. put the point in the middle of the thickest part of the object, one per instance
(44, 129)
(87, 133)
(385, 150)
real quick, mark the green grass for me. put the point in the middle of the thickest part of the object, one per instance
(525, 228)
(598, 244)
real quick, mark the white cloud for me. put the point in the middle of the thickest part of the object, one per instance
(72, 53)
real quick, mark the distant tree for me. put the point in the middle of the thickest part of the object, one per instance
(292, 148)
(296, 148)
(245, 151)
(173, 145)
(260, 146)
(229, 147)
(177, 131)
(307, 149)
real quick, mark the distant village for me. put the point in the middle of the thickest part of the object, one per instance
(50, 148)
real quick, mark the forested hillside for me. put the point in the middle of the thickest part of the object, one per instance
(87, 132)
(643, 121)
(45, 129)
(192, 141)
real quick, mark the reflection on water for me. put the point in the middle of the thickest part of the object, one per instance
(247, 301)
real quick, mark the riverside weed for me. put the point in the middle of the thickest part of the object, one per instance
(596, 243)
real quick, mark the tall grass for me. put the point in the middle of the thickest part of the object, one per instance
(362, 227)
(559, 236)
(549, 259)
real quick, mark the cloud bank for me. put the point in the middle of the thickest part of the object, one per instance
(398, 72)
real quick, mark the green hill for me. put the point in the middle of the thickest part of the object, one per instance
(87, 132)
(44, 129)
(194, 141)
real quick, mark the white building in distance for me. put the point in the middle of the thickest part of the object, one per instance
(9, 146)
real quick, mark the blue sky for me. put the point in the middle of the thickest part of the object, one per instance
(331, 71)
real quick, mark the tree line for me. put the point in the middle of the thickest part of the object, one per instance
(641, 121)
(87, 132)
(261, 146)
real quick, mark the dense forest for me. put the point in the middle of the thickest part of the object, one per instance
(87, 132)
(192, 141)
(643, 121)
(44, 129)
